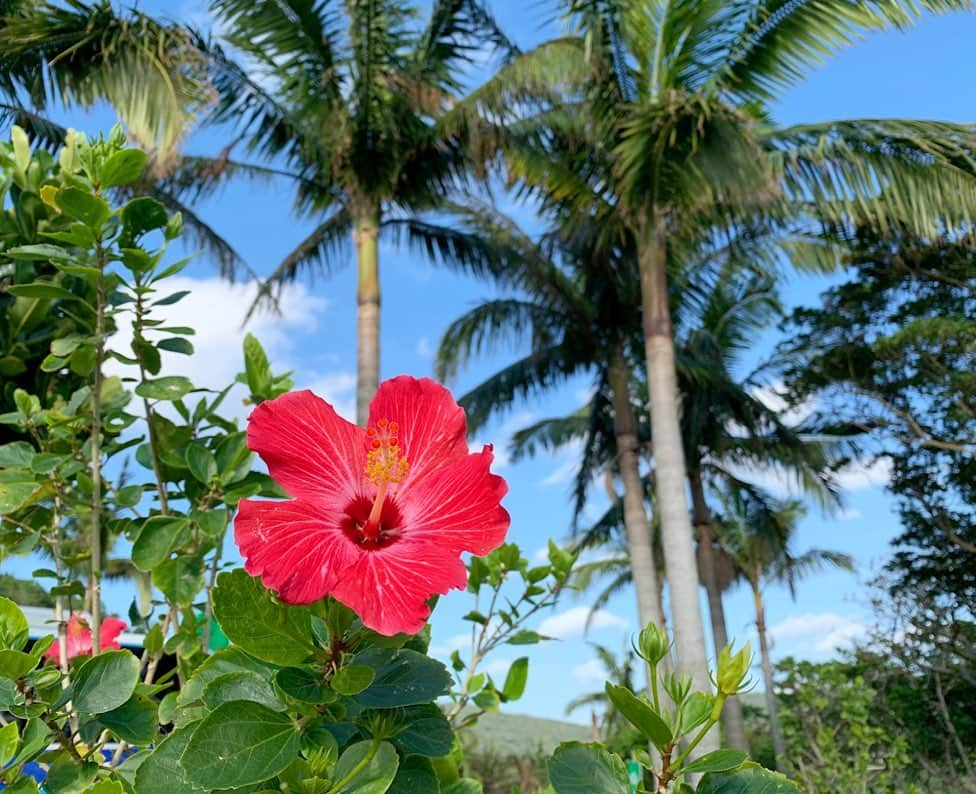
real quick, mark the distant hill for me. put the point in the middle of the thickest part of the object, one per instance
(518, 734)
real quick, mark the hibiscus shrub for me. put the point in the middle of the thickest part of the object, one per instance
(326, 686)
(307, 670)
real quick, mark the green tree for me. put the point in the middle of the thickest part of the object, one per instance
(579, 322)
(757, 533)
(664, 104)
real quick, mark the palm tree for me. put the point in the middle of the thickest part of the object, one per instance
(757, 532)
(346, 108)
(726, 428)
(579, 321)
(665, 104)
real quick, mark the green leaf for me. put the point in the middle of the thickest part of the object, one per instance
(16, 488)
(41, 252)
(515, 681)
(640, 714)
(9, 741)
(156, 540)
(179, 579)
(353, 679)
(716, 761)
(129, 496)
(252, 618)
(465, 785)
(107, 787)
(240, 686)
(749, 779)
(66, 777)
(21, 146)
(16, 455)
(239, 744)
(403, 678)
(202, 463)
(176, 344)
(425, 732)
(161, 772)
(123, 167)
(415, 775)
(170, 387)
(172, 298)
(256, 367)
(105, 682)
(303, 685)
(134, 721)
(15, 664)
(14, 628)
(83, 206)
(525, 637)
(143, 215)
(577, 768)
(41, 290)
(376, 776)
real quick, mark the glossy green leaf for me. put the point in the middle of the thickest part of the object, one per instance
(239, 744)
(516, 679)
(143, 215)
(425, 731)
(716, 761)
(640, 714)
(202, 463)
(749, 779)
(375, 777)
(122, 167)
(15, 664)
(83, 206)
(105, 682)
(240, 686)
(180, 579)
(403, 678)
(170, 387)
(16, 455)
(156, 540)
(161, 773)
(577, 768)
(255, 620)
(415, 775)
(14, 629)
(134, 721)
(9, 741)
(353, 679)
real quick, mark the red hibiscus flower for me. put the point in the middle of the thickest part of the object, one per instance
(80, 637)
(381, 515)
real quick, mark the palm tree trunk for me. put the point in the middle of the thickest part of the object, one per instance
(732, 719)
(779, 745)
(669, 461)
(639, 541)
(366, 235)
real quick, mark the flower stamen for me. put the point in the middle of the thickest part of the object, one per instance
(385, 464)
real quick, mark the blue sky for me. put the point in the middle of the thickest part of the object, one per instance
(925, 73)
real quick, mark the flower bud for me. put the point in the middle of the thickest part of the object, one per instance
(733, 670)
(652, 644)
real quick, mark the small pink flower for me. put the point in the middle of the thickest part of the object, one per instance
(80, 638)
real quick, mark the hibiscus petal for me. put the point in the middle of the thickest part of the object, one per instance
(431, 425)
(311, 451)
(458, 506)
(297, 549)
(110, 631)
(389, 588)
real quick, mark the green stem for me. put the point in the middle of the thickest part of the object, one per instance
(96, 455)
(363, 763)
(694, 742)
(654, 692)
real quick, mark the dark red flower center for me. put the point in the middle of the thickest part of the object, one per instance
(356, 519)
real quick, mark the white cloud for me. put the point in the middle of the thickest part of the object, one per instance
(773, 397)
(816, 633)
(456, 642)
(859, 475)
(339, 389)
(590, 672)
(496, 667)
(569, 457)
(572, 623)
(849, 514)
(216, 309)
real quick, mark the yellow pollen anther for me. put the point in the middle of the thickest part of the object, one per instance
(385, 462)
